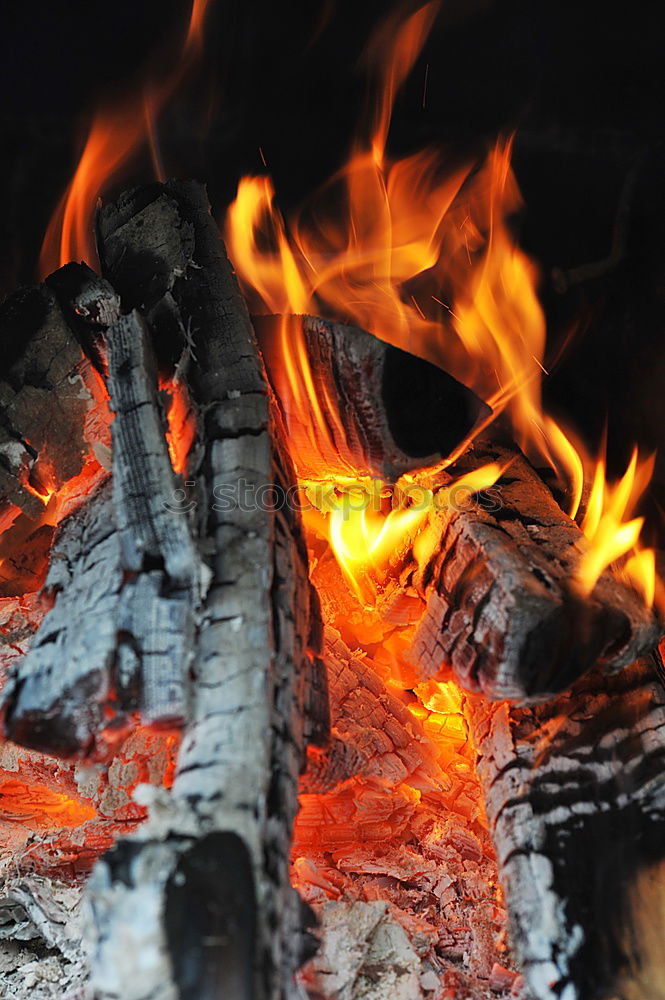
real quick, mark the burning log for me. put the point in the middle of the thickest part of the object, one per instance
(575, 795)
(225, 832)
(502, 607)
(380, 411)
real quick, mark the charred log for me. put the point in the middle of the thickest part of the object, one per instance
(379, 410)
(502, 608)
(575, 795)
(126, 582)
(256, 650)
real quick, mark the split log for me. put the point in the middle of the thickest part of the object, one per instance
(126, 581)
(502, 608)
(165, 578)
(376, 411)
(224, 833)
(575, 796)
(54, 699)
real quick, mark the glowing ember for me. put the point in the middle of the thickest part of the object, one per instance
(181, 423)
(37, 805)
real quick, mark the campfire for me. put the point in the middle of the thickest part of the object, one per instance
(329, 656)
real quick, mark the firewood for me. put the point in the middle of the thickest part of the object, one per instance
(502, 608)
(54, 700)
(166, 578)
(126, 581)
(48, 391)
(89, 304)
(234, 796)
(575, 796)
(383, 411)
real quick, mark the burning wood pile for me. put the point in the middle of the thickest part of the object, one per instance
(314, 684)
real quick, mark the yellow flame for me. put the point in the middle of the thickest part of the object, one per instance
(427, 262)
(611, 530)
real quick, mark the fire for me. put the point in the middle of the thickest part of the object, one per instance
(37, 806)
(181, 423)
(424, 259)
(609, 533)
(420, 255)
(115, 135)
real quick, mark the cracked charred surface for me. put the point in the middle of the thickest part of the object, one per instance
(575, 795)
(125, 581)
(256, 664)
(501, 605)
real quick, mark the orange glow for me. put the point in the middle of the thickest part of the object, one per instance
(181, 423)
(37, 805)
(115, 135)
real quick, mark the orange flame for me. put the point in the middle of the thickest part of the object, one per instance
(181, 424)
(115, 135)
(427, 262)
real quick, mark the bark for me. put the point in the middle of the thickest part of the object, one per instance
(502, 609)
(378, 411)
(225, 831)
(575, 796)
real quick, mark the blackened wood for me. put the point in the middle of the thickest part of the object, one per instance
(256, 654)
(89, 304)
(47, 391)
(377, 410)
(575, 796)
(502, 608)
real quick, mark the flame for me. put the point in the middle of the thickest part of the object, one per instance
(181, 423)
(115, 135)
(612, 532)
(363, 539)
(426, 260)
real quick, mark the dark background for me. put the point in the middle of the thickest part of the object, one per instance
(582, 83)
